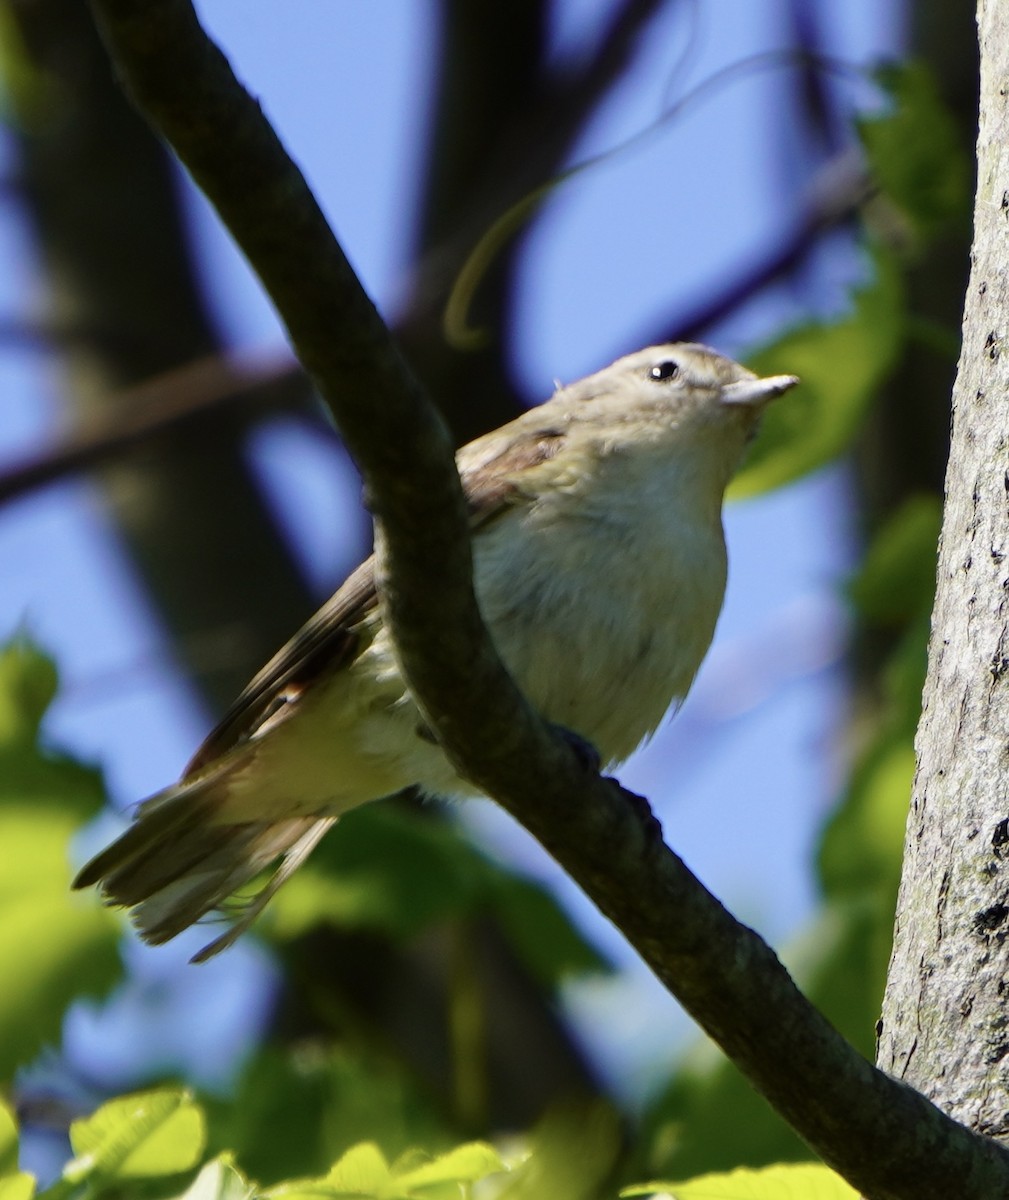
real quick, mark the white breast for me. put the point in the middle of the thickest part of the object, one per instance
(603, 612)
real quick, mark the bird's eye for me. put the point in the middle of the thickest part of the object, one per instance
(664, 371)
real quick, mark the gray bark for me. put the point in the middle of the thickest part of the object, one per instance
(945, 1026)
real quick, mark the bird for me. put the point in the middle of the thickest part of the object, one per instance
(599, 566)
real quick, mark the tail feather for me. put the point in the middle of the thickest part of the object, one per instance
(178, 861)
(244, 851)
(293, 858)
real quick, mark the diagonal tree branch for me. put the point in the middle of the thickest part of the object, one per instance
(838, 192)
(881, 1135)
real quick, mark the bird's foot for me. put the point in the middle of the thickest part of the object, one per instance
(588, 756)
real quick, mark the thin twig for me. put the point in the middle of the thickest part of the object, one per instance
(839, 190)
(156, 408)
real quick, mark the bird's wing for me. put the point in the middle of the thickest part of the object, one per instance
(491, 470)
(326, 641)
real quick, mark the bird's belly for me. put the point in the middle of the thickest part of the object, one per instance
(604, 649)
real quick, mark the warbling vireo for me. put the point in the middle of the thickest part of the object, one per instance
(599, 566)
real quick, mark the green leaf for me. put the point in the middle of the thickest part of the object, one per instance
(32, 96)
(32, 776)
(904, 676)
(362, 1172)
(896, 580)
(709, 1118)
(52, 950)
(148, 1134)
(14, 1184)
(791, 1181)
(296, 1110)
(861, 849)
(840, 366)
(54, 946)
(464, 1164)
(541, 932)
(573, 1152)
(219, 1179)
(362, 1169)
(8, 1141)
(388, 868)
(19, 1186)
(914, 150)
(385, 868)
(27, 687)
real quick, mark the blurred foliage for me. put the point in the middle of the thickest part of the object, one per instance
(294, 1110)
(841, 366)
(364, 1171)
(393, 870)
(14, 1184)
(137, 1137)
(152, 1144)
(914, 152)
(921, 178)
(571, 1154)
(27, 94)
(895, 581)
(54, 946)
(804, 1181)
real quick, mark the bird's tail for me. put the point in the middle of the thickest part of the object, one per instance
(179, 861)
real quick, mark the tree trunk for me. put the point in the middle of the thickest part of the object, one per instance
(945, 1027)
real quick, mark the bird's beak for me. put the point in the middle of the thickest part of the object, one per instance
(752, 392)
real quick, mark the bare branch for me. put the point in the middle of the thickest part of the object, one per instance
(158, 407)
(839, 189)
(882, 1136)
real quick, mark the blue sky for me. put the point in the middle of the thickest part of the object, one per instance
(744, 775)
